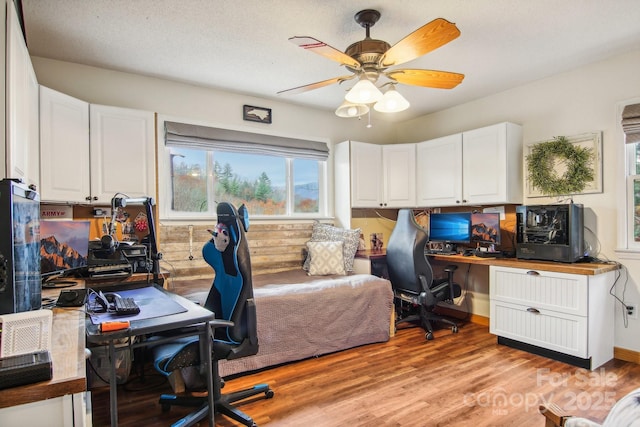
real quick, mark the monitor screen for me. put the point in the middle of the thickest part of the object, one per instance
(454, 227)
(485, 228)
(64, 245)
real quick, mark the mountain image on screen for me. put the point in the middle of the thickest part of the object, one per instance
(55, 256)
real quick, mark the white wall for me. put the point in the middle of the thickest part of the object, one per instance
(101, 86)
(580, 101)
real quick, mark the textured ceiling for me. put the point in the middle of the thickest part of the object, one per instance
(242, 46)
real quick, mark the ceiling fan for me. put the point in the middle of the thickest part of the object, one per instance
(369, 59)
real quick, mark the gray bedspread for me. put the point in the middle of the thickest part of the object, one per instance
(301, 316)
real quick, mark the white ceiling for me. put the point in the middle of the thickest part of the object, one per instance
(242, 45)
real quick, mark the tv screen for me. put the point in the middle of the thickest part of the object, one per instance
(64, 245)
(454, 227)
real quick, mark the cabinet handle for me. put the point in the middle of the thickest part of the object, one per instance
(533, 310)
(88, 198)
(95, 197)
(533, 273)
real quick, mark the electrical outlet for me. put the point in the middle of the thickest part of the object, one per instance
(632, 310)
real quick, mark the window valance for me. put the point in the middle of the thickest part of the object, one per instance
(631, 123)
(210, 138)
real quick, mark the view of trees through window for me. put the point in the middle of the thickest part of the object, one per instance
(199, 178)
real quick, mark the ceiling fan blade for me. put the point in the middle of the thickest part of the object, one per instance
(323, 49)
(316, 85)
(423, 40)
(426, 78)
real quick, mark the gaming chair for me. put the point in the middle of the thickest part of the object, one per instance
(416, 291)
(231, 299)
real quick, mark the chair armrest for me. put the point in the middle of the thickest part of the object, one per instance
(555, 417)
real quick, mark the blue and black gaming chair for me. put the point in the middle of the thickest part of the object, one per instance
(231, 299)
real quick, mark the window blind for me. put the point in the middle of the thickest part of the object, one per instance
(631, 123)
(210, 138)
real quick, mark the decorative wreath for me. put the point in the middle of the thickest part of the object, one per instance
(542, 161)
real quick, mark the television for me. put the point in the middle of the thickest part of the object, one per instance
(20, 288)
(485, 228)
(64, 247)
(450, 227)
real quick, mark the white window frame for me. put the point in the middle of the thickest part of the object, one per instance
(627, 247)
(164, 185)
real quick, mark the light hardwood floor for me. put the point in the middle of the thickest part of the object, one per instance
(463, 379)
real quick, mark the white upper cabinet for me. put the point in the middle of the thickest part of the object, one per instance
(481, 166)
(122, 152)
(439, 172)
(492, 164)
(92, 152)
(22, 136)
(64, 147)
(382, 176)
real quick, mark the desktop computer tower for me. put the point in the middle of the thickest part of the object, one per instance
(20, 285)
(550, 232)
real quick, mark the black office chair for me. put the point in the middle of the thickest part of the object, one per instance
(231, 299)
(416, 291)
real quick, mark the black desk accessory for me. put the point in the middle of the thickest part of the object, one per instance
(72, 298)
(25, 369)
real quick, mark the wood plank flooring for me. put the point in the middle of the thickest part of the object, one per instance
(463, 379)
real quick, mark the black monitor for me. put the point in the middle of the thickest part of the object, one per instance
(64, 246)
(450, 227)
(485, 228)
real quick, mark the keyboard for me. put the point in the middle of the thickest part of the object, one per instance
(439, 252)
(125, 306)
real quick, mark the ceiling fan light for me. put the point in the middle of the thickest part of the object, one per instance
(364, 92)
(349, 109)
(391, 102)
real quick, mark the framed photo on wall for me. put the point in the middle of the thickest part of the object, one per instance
(256, 114)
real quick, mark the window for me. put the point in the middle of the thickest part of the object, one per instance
(271, 182)
(630, 119)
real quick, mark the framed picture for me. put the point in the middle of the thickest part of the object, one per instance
(256, 114)
(587, 140)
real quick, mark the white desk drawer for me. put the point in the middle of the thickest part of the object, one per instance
(543, 290)
(544, 328)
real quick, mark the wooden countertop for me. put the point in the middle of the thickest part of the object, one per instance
(583, 268)
(67, 358)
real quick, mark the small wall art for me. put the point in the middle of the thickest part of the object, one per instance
(256, 114)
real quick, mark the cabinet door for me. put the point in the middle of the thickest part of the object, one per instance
(22, 142)
(64, 148)
(439, 171)
(399, 166)
(366, 175)
(484, 164)
(122, 151)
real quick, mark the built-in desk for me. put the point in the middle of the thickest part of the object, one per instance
(560, 310)
(365, 259)
(63, 395)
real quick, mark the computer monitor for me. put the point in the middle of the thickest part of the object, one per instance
(450, 227)
(64, 246)
(485, 228)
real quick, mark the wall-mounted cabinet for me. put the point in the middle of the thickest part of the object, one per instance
(91, 152)
(382, 176)
(21, 144)
(481, 166)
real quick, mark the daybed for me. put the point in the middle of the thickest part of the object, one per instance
(301, 316)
